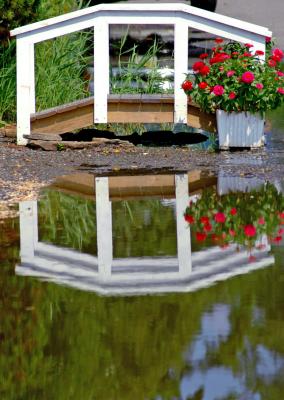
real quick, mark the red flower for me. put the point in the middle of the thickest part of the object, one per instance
(259, 53)
(267, 39)
(278, 53)
(250, 230)
(218, 90)
(281, 215)
(233, 211)
(272, 63)
(219, 40)
(198, 65)
(280, 73)
(218, 58)
(187, 85)
(204, 220)
(189, 218)
(232, 232)
(259, 86)
(280, 231)
(261, 221)
(248, 45)
(280, 90)
(220, 217)
(202, 85)
(235, 53)
(203, 55)
(204, 70)
(230, 73)
(232, 95)
(200, 236)
(247, 77)
(252, 258)
(246, 54)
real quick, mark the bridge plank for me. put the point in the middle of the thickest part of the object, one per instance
(131, 108)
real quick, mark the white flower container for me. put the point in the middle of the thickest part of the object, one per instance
(239, 129)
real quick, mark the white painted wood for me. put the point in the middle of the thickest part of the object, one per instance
(25, 88)
(139, 8)
(28, 229)
(104, 228)
(180, 69)
(183, 229)
(101, 70)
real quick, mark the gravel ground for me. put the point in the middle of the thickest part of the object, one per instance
(24, 171)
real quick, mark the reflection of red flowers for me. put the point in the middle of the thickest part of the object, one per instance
(248, 77)
(207, 227)
(277, 239)
(252, 258)
(280, 231)
(204, 220)
(261, 221)
(250, 230)
(220, 217)
(233, 211)
(200, 236)
(187, 85)
(189, 218)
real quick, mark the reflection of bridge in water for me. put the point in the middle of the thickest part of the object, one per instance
(131, 275)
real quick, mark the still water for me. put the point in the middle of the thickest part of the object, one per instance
(162, 287)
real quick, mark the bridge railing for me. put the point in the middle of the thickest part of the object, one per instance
(180, 15)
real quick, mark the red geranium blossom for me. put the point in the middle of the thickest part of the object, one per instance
(204, 220)
(218, 90)
(232, 95)
(230, 73)
(207, 227)
(220, 217)
(247, 77)
(259, 86)
(250, 230)
(187, 85)
(278, 53)
(203, 55)
(219, 40)
(280, 90)
(202, 85)
(204, 70)
(232, 232)
(248, 45)
(259, 53)
(198, 65)
(261, 221)
(272, 63)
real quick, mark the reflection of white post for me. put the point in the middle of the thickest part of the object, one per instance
(183, 230)
(28, 229)
(104, 227)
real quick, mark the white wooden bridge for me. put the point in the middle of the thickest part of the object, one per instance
(180, 15)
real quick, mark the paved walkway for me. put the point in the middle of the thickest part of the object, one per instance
(268, 13)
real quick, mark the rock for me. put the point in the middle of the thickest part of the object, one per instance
(44, 136)
(49, 145)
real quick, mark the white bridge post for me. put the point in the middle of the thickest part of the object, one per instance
(180, 69)
(101, 69)
(25, 88)
(183, 230)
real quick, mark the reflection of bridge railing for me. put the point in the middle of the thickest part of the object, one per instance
(132, 275)
(100, 17)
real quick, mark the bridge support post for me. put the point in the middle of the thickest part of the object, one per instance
(25, 88)
(180, 70)
(101, 69)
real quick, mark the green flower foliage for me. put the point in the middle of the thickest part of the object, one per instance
(235, 78)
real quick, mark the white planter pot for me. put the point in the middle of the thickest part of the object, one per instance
(239, 129)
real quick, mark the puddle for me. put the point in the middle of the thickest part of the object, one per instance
(165, 286)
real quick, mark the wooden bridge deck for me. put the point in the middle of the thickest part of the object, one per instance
(125, 108)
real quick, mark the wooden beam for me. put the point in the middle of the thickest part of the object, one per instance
(121, 109)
